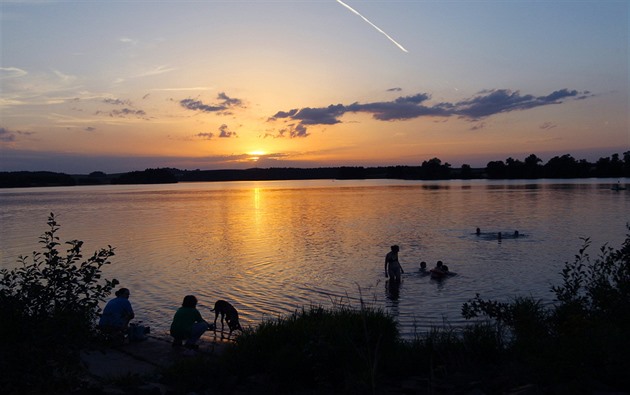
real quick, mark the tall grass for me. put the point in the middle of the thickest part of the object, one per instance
(338, 349)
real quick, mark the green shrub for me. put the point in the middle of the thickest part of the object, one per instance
(49, 307)
(584, 334)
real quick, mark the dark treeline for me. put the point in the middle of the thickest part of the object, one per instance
(531, 167)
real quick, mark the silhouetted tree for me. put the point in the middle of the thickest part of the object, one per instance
(496, 169)
(532, 168)
(609, 167)
(149, 176)
(564, 166)
(466, 172)
(433, 169)
(20, 179)
(515, 168)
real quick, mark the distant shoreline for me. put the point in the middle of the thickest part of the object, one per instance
(52, 179)
(531, 168)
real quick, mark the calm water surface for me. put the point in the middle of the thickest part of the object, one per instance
(273, 247)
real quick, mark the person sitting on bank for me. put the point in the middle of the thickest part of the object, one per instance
(187, 324)
(117, 313)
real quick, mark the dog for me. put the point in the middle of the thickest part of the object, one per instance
(227, 312)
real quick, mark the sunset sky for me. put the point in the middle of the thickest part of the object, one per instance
(126, 85)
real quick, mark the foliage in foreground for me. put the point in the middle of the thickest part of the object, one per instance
(584, 335)
(339, 349)
(49, 306)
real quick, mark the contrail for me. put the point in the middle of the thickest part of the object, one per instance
(371, 24)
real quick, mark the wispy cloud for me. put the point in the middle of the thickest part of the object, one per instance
(205, 136)
(117, 102)
(21, 87)
(124, 113)
(547, 125)
(10, 136)
(192, 88)
(11, 72)
(6, 136)
(157, 70)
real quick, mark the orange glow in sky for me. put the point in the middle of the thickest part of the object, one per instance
(121, 86)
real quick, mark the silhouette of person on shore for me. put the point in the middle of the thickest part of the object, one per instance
(187, 324)
(117, 313)
(393, 270)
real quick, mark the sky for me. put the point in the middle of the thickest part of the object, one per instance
(124, 85)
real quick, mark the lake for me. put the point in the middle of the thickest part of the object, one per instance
(271, 248)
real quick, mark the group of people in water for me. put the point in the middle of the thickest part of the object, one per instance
(499, 235)
(186, 328)
(394, 270)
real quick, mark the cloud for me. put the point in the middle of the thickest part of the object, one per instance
(315, 116)
(11, 72)
(124, 113)
(205, 136)
(6, 136)
(224, 132)
(225, 103)
(156, 71)
(298, 131)
(196, 105)
(394, 90)
(128, 40)
(228, 101)
(117, 102)
(484, 104)
(9, 136)
(547, 126)
(291, 131)
(478, 126)
(504, 100)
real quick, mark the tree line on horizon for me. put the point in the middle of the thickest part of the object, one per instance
(531, 167)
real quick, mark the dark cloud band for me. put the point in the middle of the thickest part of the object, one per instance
(484, 104)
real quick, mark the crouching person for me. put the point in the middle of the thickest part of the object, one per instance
(187, 324)
(114, 321)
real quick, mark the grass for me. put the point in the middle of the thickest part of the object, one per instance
(349, 351)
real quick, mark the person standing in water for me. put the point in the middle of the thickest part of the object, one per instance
(393, 270)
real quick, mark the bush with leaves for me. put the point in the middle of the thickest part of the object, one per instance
(49, 306)
(584, 334)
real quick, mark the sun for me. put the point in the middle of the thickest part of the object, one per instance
(255, 155)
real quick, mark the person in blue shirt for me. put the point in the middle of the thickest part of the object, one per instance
(117, 313)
